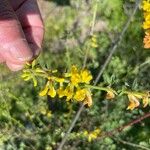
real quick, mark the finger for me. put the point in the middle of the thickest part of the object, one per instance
(14, 66)
(14, 48)
(30, 19)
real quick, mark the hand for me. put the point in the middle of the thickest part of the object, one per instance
(21, 32)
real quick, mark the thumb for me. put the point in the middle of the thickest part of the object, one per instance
(14, 48)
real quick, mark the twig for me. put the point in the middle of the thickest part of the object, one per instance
(71, 127)
(112, 51)
(91, 33)
(131, 144)
(119, 129)
(118, 41)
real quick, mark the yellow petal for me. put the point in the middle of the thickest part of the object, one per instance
(75, 79)
(86, 77)
(134, 102)
(80, 95)
(60, 80)
(44, 92)
(69, 91)
(52, 92)
(61, 92)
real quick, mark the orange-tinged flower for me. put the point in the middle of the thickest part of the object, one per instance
(134, 102)
(146, 40)
(110, 94)
(88, 99)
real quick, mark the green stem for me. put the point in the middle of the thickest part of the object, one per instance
(96, 87)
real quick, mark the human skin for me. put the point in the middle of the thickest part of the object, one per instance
(21, 32)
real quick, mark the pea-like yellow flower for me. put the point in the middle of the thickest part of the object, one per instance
(92, 135)
(94, 41)
(75, 76)
(48, 90)
(69, 92)
(52, 92)
(61, 92)
(146, 5)
(134, 101)
(146, 25)
(80, 94)
(75, 79)
(44, 91)
(86, 76)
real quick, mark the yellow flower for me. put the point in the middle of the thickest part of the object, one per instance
(52, 92)
(93, 135)
(74, 69)
(80, 94)
(94, 45)
(61, 92)
(86, 77)
(94, 42)
(69, 91)
(48, 90)
(44, 91)
(75, 79)
(49, 114)
(75, 76)
(134, 101)
(146, 24)
(146, 5)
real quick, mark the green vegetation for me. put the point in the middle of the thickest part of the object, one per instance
(29, 122)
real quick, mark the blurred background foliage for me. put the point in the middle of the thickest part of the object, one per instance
(29, 122)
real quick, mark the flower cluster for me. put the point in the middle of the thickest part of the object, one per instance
(73, 85)
(92, 135)
(93, 41)
(146, 23)
(135, 97)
